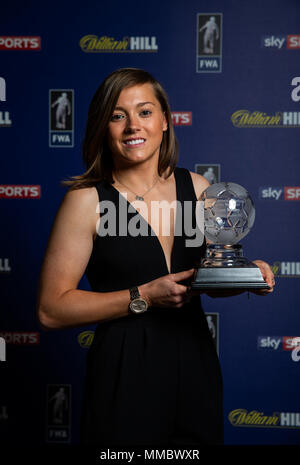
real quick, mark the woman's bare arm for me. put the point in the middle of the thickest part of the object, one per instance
(60, 304)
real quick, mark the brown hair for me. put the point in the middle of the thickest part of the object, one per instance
(95, 151)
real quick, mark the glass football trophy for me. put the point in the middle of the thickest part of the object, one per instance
(229, 215)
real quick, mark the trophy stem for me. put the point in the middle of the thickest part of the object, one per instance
(225, 256)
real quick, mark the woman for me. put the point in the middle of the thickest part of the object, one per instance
(153, 375)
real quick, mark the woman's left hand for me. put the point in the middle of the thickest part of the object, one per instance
(268, 276)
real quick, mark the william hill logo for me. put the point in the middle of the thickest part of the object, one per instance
(85, 339)
(259, 119)
(286, 269)
(94, 44)
(241, 417)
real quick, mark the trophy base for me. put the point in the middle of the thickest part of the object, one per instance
(224, 267)
(248, 277)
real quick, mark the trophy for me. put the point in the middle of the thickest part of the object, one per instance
(229, 215)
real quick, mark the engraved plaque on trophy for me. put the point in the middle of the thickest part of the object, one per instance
(229, 215)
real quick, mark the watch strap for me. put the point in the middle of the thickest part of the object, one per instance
(134, 293)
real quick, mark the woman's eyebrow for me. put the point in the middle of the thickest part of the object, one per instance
(144, 103)
(141, 104)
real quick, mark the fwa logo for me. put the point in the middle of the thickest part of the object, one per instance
(209, 43)
(61, 118)
(2, 350)
(5, 120)
(2, 90)
(59, 403)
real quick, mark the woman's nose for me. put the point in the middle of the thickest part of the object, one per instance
(133, 123)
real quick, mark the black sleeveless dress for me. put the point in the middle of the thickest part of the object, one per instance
(152, 378)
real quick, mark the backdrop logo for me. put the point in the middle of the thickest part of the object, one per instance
(4, 265)
(85, 339)
(259, 119)
(211, 172)
(241, 417)
(270, 193)
(3, 413)
(213, 325)
(61, 118)
(286, 269)
(274, 343)
(288, 193)
(21, 337)
(268, 342)
(274, 41)
(209, 43)
(58, 412)
(290, 342)
(5, 120)
(295, 354)
(94, 44)
(20, 191)
(2, 350)
(20, 43)
(181, 118)
(2, 90)
(292, 193)
(281, 42)
(295, 94)
(293, 42)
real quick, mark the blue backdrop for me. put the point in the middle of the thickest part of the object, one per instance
(231, 71)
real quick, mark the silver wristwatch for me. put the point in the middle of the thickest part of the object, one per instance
(137, 303)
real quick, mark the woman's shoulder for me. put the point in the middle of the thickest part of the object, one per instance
(82, 196)
(79, 209)
(81, 202)
(200, 183)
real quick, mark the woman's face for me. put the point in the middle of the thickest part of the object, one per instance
(136, 127)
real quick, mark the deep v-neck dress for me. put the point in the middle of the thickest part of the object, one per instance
(152, 378)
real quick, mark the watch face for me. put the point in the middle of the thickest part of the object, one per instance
(138, 305)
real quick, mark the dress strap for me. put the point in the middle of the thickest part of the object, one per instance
(106, 191)
(185, 184)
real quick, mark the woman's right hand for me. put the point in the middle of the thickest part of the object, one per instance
(167, 290)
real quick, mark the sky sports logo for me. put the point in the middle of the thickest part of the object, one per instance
(279, 193)
(278, 342)
(20, 191)
(282, 42)
(24, 338)
(20, 43)
(181, 118)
